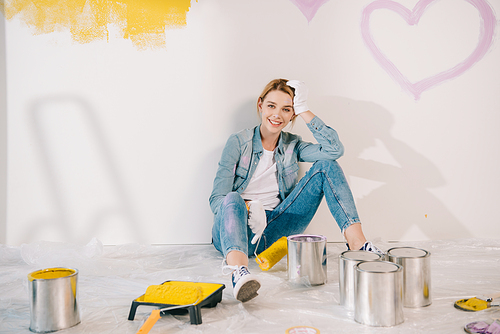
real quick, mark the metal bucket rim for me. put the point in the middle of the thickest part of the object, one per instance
(427, 253)
(342, 256)
(321, 237)
(398, 267)
(31, 278)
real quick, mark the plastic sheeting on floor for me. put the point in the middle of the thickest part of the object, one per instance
(110, 277)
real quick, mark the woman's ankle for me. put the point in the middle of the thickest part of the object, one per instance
(354, 236)
(237, 258)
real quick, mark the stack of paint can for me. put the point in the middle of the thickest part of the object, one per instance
(377, 290)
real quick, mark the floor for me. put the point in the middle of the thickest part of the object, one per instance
(111, 277)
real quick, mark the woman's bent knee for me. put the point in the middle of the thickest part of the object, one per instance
(326, 165)
(233, 197)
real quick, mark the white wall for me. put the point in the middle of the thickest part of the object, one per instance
(109, 141)
(3, 135)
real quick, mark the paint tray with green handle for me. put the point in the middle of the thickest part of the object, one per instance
(178, 294)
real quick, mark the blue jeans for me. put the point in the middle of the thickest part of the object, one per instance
(292, 216)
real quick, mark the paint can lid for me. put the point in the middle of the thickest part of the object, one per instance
(378, 267)
(359, 255)
(407, 252)
(302, 330)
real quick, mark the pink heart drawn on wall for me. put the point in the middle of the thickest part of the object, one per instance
(309, 7)
(412, 17)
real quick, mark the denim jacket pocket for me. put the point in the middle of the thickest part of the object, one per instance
(290, 175)
(239, 177)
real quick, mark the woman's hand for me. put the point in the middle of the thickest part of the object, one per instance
(300, 98)
(257, 219)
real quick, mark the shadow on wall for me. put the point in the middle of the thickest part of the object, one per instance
(402, 201)
(244, 117)
(79, 172)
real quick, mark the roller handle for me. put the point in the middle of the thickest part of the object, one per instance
(489, 298)
(495, 296)
(153, 318)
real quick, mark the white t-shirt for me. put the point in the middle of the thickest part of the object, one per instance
(263, 185)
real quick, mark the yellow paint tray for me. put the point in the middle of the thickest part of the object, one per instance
(211, 295)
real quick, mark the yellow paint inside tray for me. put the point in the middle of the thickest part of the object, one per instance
(178, 293)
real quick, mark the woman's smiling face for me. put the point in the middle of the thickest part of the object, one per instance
(276, 111)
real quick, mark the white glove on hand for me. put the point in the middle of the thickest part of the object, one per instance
(257, 219)
(300, 99)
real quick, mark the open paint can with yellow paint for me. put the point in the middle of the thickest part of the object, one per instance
(53, 299)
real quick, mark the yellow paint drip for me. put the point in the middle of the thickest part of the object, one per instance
(268, 258)
(50, 273)
(141, 21)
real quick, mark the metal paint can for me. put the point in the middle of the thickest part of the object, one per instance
(416, 265)
(53, 299)
(306, 260)
(347, 261)
(378, 293)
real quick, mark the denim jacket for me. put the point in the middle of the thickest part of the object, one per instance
(243, 150)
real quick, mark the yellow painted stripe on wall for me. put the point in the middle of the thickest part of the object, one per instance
(141, 21)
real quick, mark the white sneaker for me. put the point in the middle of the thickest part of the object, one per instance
(369, 247)
(245, 285)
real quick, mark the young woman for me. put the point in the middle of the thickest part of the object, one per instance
(256, 195)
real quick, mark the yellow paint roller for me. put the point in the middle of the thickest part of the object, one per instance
(178, 295)
(478, 303)
(268, 258)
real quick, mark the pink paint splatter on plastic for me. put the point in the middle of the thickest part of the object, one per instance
(481, 327)
(309, 7)
(488, 22)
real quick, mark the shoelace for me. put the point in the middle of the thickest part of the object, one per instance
(243, 271)
(239, 273)
(225, 267)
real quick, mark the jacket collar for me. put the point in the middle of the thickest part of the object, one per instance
(257, 142)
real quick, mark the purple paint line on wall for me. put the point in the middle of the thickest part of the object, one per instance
(309, 7)
(412, 17)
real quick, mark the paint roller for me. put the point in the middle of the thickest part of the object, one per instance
(478, 303)
(178, 295)
(268, 258)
